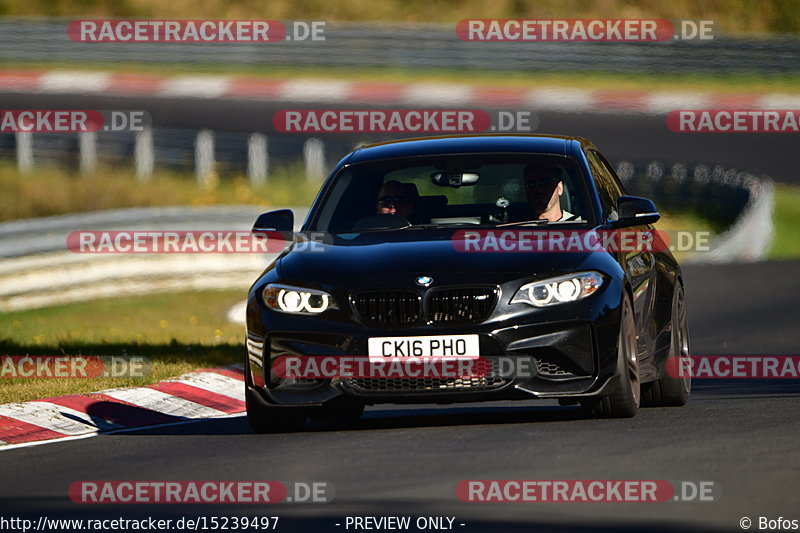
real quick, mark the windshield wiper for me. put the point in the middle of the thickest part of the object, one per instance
(435, 226)
(536, 222)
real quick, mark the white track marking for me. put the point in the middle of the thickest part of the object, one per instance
(434, 94)
(664, 102)
(127, 287)
(212, 382)
(50, 416)
(125, 430)
(238, 313)
(76, 424)
(195, 86)
(104, 267)
(560, 99)
(316, 90)
(779, 101)
(74, 82)
(163, 402)
(93, 421)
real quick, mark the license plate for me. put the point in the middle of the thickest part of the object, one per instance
(440, 346)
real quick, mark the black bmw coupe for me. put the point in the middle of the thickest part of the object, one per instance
(476, 248)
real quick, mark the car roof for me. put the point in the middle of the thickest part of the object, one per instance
(476, 143)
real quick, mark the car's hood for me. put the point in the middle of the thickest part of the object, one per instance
(368, 262)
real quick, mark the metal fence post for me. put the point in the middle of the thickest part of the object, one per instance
(314, 157)
(204, 156)
(24, 151)
(87, 143)
(143, 154)
(257, 159)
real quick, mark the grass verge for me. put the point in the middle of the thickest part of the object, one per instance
(786, 221)
(177, 333)
(54, 191)
(777, 16)
(727, 83)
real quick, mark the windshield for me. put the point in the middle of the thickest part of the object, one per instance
(454, 190)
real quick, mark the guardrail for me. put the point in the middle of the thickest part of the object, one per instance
(38, 271)
(719, 193)
(413, 46)
(201, 152)
(736, 200)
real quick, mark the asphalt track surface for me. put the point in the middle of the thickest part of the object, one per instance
(402, 460)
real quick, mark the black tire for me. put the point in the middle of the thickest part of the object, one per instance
(266, 419)
(340, 409)
(674, 390)
(624, 398)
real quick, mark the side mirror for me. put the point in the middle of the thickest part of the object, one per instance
(635, 211)
(280, 221)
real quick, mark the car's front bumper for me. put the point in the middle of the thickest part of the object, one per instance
(567, 351)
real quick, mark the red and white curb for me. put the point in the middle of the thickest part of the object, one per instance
(208, 393)
(333, 91)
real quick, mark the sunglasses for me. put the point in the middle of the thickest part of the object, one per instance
(541, 184)
(387, 201)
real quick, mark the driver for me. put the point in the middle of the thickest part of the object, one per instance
(543, 187)
(396, 198)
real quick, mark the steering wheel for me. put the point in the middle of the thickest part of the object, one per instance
(382, 221)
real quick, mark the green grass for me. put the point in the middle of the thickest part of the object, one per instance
(728, 83)
(786, 221)
(177, 333)
(53, 191)
(731, 16)
(686, 221)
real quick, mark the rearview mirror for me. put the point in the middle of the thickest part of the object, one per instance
(455, 179)
(281, 220)
(634, 211)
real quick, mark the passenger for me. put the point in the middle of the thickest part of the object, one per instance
(396, 198)
(543, 187)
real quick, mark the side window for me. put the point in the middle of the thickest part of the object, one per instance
(606, 188)
(615, 181)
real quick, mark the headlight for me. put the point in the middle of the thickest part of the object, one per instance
(559, 290)
(296, 299)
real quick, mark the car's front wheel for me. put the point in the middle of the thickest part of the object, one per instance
(674, 390)
(623, 400)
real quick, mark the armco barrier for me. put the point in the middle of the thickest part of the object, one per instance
(733, 199)
(412, 46)
(38, 271)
